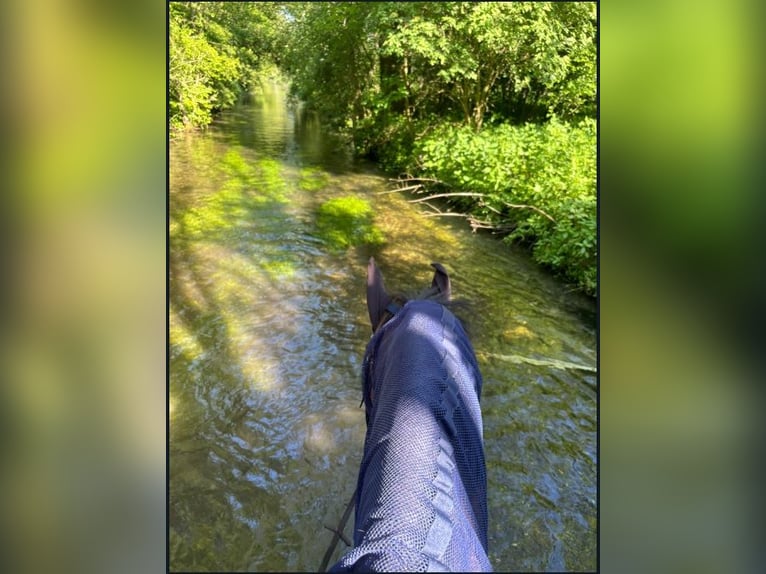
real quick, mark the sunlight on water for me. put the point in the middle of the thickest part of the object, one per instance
(268, 326)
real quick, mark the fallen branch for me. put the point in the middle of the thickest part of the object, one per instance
(418, 186)
(422, 199)
(483, 196)
(405, 179)
(472, 221)
(492, 209)
(436, 209)
(537, 209)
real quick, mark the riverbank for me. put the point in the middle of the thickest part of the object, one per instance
(504, 135)
(533, 183)
(214, 57)
(490, 105)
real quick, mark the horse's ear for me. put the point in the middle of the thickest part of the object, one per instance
(441, 282)
(377, 298)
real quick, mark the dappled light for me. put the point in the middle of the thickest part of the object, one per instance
(269, 240)
(347, 221)
(312, 178)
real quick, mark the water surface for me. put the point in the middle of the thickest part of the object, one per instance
(268, 326)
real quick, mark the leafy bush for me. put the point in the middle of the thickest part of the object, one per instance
(539, 180)
(396, 144)
(217, 49)
(202, 78)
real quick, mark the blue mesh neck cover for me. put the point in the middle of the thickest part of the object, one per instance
(421, 502)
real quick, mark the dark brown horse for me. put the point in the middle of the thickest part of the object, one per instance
(421, 498)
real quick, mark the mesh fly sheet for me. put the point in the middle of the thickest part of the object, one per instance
(421, 502)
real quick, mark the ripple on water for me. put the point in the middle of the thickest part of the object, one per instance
(268, 329)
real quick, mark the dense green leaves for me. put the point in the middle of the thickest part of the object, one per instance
(331, 59)
(461, 60)
(538, 180)
(215, 50)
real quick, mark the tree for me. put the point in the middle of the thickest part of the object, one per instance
(216, 49)
(332, 58)
(470, 48)
(201, 76)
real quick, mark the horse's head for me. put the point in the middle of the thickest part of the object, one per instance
(421, 499)
(383, 306)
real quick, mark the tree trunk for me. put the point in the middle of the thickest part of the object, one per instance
(406, 80)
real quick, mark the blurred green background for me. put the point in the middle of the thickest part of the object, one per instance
(681, 285)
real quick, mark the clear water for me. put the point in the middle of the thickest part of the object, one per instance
(268, 326)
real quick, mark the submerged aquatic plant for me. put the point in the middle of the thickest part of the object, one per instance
(347, 221)
(312, 179)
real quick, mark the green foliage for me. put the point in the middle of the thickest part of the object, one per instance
(371, 62)
(549, 167)
(394, 145)
(215, 50)
(201, 76)
(496, 98)
(570, 245)
(347, 221)
(328, 57)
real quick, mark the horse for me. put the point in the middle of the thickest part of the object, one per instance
(421, 497)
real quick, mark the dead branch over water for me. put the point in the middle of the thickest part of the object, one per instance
(419, 187)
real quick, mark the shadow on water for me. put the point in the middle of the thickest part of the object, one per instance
(268, 326)
(248, 315)
(209, 377)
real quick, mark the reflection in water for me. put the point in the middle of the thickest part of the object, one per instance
(267, 330)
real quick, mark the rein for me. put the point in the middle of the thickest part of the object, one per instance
(391, 310)
(338, 534)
